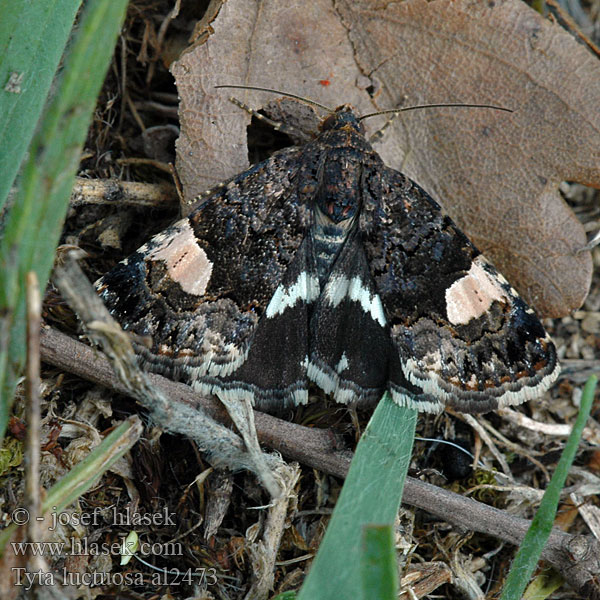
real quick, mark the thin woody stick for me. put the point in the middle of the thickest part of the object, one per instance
(575, 557)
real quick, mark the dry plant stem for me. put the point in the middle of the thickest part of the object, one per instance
(156, 107)
(577, 558)
(160, 38)
(568, 23)
(483, 434)
(134, 113)
(423, 579)
(590, 434)
(145, 161)
(516, 448)
(133, 193)
(589, 512)
(36, 563)
(264, 553)
(242, 415)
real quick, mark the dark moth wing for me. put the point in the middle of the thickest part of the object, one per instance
(462, 333)
(349, 341)
(198, 289)
(323, 264)
(273, 374)
(352, 355)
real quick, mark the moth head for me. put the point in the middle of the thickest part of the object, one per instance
(343, 117)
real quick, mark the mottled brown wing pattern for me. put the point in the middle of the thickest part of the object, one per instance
(323, 265)
(463, 334)
(198, 289)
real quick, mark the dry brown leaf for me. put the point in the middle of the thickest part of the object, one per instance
(497, 174)
(272, 44)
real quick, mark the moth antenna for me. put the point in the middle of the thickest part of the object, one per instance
(449, 443)
(419, 106)
(261, 89)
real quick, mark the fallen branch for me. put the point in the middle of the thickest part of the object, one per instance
(118, 193)
(577, 558)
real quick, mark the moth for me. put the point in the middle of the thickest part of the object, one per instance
(322, 265)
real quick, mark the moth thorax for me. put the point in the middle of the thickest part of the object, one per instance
(339, 202)
(328, 239)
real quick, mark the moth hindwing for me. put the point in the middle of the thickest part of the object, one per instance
(321, 264)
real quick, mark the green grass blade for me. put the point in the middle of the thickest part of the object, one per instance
(35, 220)
(371, 494)
(33, 36)
(379, 567)
(533, 543)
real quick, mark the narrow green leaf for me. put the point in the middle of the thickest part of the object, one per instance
(543, 585)
(32, 40)
(533, 543)
(371, 494)
(379, 567)
(33, 226)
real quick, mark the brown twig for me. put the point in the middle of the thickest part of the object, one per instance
(590, 434)
(161, 109)
(577, 558)
(263, 553)
(111, 191)
(145, 161)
